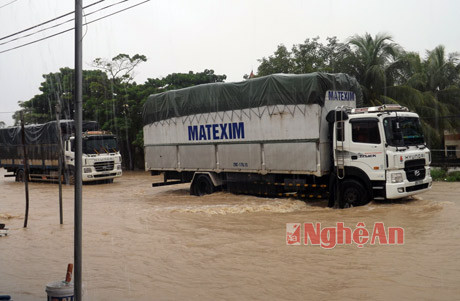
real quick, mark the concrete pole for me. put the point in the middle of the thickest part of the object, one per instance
(78, 150)
(60, 159)
(26, 169)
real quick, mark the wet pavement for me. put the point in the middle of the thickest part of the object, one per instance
(144, 243)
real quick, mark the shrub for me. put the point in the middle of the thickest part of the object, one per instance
(453, 176)
(438, 174)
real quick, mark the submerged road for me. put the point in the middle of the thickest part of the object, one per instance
(144, 243)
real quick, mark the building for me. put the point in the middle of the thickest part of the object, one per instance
(451, 145)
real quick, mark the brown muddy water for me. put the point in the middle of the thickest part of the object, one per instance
(144, 243)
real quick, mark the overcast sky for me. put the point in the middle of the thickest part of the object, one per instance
(185, 35)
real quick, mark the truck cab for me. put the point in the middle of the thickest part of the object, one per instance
(383, 149)
(101, 157)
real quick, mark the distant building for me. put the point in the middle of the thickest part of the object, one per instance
(451, 145)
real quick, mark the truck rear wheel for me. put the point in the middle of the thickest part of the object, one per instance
(202, 185)
(353, 194)
(20, 175)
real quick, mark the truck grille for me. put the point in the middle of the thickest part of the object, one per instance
(104, 166)
(415, 170)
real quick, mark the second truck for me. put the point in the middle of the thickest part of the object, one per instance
(304, 135)
(101, 159)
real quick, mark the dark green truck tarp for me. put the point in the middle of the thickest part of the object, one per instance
(41, 139)
(277, 89)
(46, 133)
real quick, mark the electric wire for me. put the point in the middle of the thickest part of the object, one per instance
(8, 4)
(59, 24)
(67, 30)
(46, 22)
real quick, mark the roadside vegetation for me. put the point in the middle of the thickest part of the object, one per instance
(441, 174)
(428, 84)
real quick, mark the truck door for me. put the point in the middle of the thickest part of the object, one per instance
(366, 147)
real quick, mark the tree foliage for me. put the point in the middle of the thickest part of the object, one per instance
(307, 57)
(121, 67)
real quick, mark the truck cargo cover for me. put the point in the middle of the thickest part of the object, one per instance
(277, 89)
(46, 133)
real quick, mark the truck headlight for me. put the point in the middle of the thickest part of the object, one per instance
(87, 170)
(118, 166)
(396, 177)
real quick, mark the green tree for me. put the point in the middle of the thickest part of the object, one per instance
(442, 70)
(124, 107)
(183, 80)
(411, 71)
(280, 62)
(430, 88)
(121, 67)
(375, 59)
(307, 57)
(59, 88)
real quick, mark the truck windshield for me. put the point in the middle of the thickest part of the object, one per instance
(403, 131)
(99, 144)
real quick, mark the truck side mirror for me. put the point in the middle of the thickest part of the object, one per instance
(334, 116)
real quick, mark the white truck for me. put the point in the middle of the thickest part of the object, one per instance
(101, 159)
(286, 135)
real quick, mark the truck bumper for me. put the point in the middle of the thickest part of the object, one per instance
(97, 176)
(406, 188)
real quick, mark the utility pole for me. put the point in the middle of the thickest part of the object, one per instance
(59, 137)
(26, 168)
(78, 150)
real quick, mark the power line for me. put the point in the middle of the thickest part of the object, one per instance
(64, 31)
(46, 22)
(8, 3)
(62, 23)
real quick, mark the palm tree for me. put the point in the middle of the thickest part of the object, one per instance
(427, 106)
(388, 74)
(375, 60)
(441, 71)
(431, 89)
(410, 71)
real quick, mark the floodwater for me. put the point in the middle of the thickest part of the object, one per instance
(144, 243)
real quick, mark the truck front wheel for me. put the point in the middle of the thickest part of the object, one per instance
(202, 185)
(353, 194)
